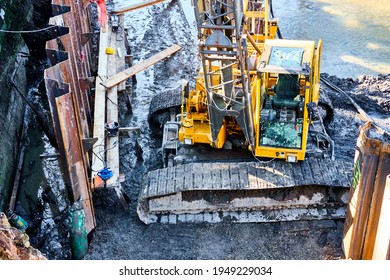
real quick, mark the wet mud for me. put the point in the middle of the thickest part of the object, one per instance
(122, 236)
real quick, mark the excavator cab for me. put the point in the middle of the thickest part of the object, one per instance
(288, 84)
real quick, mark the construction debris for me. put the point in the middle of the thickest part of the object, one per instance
(136, 6)
(128, 73)
(15, 244)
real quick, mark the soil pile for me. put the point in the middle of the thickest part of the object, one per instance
(372, 94)
(15, 244)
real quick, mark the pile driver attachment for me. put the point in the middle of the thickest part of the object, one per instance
(248, 143)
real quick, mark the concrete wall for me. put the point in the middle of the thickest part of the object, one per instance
(14, 14)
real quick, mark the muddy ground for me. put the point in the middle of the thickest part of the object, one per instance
(123, 236)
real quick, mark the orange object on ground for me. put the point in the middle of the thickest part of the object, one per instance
(97, 182)
(102, 13)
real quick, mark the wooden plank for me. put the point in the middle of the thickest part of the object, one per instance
(100, 109)
(382, 242)
(121, 49)
(124, 75)
(136, 6)
(112, 142)
(129, 129)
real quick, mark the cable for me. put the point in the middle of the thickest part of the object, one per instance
(262, 161)
(326, 136)
(122, 36)
(272, 14)
(97, 156)
(27, 31)
(112, 101)
(100, 157)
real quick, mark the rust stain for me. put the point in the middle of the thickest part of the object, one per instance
(69, 98)
(371, 168)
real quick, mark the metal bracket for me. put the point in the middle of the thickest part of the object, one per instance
(86, 37)
(58, 31)
(53, 87)
(56, 56)
(88, 143)
(85, 83)
(60, 9)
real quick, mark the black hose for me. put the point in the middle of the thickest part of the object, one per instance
(272, 14)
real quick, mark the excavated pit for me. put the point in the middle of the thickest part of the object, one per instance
(122, 236)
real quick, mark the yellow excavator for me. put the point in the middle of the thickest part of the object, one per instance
(247, 143)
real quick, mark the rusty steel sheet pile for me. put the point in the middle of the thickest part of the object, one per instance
(366, 228)
(67, 84)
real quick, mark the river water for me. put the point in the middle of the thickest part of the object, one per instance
(355, 33)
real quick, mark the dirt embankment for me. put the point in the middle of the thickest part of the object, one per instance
(372, 94)
(15, 244)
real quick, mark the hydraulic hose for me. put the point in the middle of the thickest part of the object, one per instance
(272, 14)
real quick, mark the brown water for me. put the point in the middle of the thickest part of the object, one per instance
(355, 33)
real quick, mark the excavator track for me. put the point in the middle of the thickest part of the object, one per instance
(246, 192)
(160, 109)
